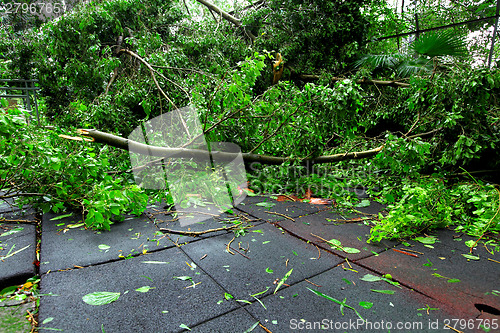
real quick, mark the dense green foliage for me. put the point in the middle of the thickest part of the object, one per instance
(445, 122)
(312, 34)
(63, 173)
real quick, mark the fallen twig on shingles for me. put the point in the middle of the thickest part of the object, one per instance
(314, 284)
(229, 245)
(283, 215)
(408, 254)
(408, 250)
(264, 328)
(319, 253)
(199, 233)
(3, 219)
(232, 248)
(452, 328)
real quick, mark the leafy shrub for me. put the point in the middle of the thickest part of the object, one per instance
(56, 174)
(430, 204)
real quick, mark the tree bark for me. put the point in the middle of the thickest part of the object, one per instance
(309, 77)
(140, 148)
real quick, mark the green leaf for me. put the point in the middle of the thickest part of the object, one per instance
(100, 298)
(228, 296)
(266, 204)
(350, 250)
(104, 247)
(12, 231)
(260, 302)
(371, 278)
(8, 291)
(287, 275)
(270, 271)
(363, 203)
(426, 240)
(261, 292)
(144, 289)
(183, 278)
(47, 320)
(184, 327)
(249, 193)
(115, 210)
(252, 328)
(60, 217)
(470, 243)
(428, 264)
(366, 305)
(453, 280)
(243, 301)
(471, 257)
(342, 304)
(334, 242)
(440, 43)
(388, 292)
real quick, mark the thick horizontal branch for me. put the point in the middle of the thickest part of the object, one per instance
(398, 84)
(144, 149)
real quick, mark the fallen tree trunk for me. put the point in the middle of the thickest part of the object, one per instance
(309, 77)
(143, 149)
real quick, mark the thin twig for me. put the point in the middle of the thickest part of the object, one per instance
(232, 248)
(152, 71)
(287, 217)
(115, 74)
(265, 328)
(314, 284)
(3, 219)
(182, 69)
(174, 83)
(229, 245)
(414, 124)
(408, 254)
(348, 263)
(319, 253)
(319, 237)
(413, 251)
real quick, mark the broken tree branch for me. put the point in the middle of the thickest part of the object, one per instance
(310, 77)
(200, 154)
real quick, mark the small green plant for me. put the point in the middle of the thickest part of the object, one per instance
(430, 204)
